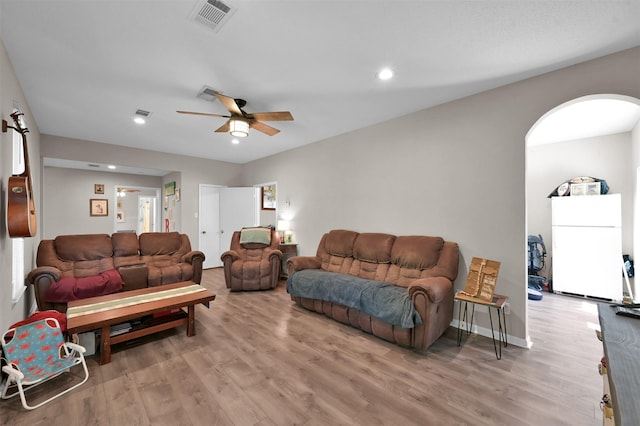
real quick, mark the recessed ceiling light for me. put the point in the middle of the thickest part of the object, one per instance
(111, 167)
(235, 141)
(385, 74)
(140, 116)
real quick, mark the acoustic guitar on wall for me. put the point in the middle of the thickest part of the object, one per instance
(21, 209)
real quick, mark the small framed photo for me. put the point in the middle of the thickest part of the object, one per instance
(98, 188)
(120, 216)
(98, 207)
(170, 188)
(268, 194)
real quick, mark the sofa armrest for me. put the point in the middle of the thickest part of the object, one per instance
(298, 263)
(436, 288)
(274, 255)
(41, 278)
(229, 256)
(193, 256)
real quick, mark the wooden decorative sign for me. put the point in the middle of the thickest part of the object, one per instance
(481, 281)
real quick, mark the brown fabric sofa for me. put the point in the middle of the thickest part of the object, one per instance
(252, 265)
(425, 266)
(147, 260)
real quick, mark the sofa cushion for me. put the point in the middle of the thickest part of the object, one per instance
(385, 301)
(160, 272)
(339, 242)
(416, 252)
(125, 244)
(70, 288)
(374, 248)
(155, 243)
(76, 248)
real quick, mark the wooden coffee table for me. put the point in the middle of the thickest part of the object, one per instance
(104, 311)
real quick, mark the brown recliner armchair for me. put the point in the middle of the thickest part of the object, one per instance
(253, 260)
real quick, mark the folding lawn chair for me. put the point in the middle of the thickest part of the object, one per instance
(35, 353)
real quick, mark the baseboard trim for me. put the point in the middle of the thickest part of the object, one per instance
(486, 332)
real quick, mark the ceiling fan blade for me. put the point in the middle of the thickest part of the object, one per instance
(230, 104)
(272, 116)
(224, 128)
(264, 128)
(202, 113)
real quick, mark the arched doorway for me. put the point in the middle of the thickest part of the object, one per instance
(595, 135)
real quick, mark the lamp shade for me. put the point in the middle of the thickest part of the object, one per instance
(284, 225)
(239, 128)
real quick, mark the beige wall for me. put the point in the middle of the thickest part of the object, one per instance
(188, 172)
(66, 195)
(456, 170)
(11, 95)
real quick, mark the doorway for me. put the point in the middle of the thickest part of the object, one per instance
(222, 211)
(588, 136)
(136, 209)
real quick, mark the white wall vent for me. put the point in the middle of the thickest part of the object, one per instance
(212, 13)
(208, 94)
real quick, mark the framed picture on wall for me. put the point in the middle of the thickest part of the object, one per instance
(98, 207)
(120, 216)
(268, 197)
(98, 188)
(170, 188)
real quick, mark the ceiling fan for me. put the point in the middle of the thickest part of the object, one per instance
(239, 121)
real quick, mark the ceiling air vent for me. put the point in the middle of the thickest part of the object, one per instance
(212, 13)
(208, 93)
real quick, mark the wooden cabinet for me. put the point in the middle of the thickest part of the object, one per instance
(621, 340)
(288, 250)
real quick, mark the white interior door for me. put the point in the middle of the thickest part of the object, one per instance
(237, 209)
(209, 225)
(222, 210)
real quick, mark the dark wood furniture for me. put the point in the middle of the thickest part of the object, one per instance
(288, 250)
(621, 341)
(100, 313)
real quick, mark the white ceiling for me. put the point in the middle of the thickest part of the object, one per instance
(86, 66)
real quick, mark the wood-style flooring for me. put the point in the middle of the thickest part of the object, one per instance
(257, 359)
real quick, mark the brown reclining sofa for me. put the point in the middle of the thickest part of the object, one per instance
(380, 270)
(71, 267)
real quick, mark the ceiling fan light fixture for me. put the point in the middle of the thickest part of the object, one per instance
(239, 128)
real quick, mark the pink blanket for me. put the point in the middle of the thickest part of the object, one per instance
(70, 288)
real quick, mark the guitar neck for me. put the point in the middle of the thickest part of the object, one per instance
(25, 151)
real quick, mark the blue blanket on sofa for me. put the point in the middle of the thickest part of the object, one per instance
(387, 302)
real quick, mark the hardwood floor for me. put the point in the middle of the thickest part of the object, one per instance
(257, 359)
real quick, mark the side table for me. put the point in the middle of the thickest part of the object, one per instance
(288, 250)
(498, 303)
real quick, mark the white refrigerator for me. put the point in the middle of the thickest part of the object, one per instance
(587, 245)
